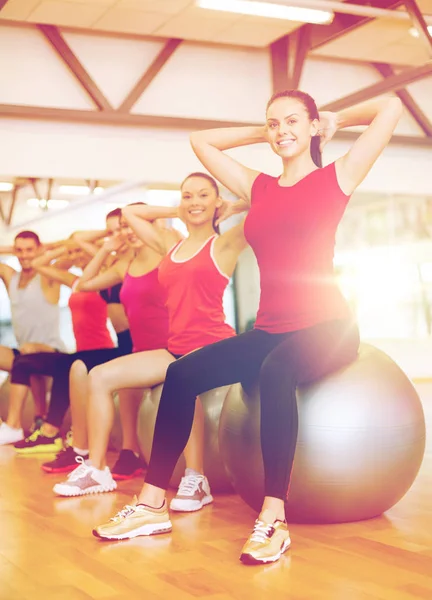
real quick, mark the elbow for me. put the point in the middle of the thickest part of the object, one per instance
(396, 105)
(194, 138)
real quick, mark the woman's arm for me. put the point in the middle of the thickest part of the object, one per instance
(86, 240)
(92, 279)
(140, 218)
(209, 145)
(381, 116)
(7, 250)
(42, 265)
(102, 281)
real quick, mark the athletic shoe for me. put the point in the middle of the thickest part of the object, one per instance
(38, 443)
(85, 479)
(9, 435)
(128, 466)
(134, 520)
(64, 462)
(193, 493)
(268, 541)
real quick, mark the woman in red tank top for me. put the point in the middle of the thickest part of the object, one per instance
(303, 329)
(193, 276)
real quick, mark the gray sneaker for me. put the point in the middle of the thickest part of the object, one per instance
(193, 493)
(85, 479)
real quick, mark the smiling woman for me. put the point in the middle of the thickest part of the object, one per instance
(290, 134)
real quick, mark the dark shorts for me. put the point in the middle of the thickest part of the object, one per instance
(18, 353)
(176, 356)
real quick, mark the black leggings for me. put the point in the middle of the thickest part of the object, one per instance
(58, 365)
(280, 361)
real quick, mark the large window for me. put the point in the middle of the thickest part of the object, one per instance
(384, 262)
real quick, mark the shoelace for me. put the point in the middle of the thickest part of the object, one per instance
(123, 513)
(189, 484)
(261, 532)
(80, 471)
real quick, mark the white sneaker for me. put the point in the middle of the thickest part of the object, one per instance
(86, 479)
(9, 435)
(193, 493)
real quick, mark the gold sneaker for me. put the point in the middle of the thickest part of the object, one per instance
(268, 541)
(134, 520)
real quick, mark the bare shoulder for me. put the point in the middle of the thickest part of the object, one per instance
(6, 273)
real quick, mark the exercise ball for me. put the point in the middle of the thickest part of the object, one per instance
(212, 403)
(360, 444)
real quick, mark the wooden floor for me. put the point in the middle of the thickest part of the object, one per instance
(47, 550)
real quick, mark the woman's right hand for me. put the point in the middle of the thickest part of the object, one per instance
(229, 209)
(113, 243)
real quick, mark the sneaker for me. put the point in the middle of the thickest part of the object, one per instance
(268, 541)
(193, 493)
(86, 479)
(38, 443)
(128, 466)
(64, 462)
(134, 520)
(9, 435)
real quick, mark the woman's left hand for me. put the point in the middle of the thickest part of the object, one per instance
(328, 125)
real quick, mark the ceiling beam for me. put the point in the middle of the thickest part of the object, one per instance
(410, 104)
(12, 205)
(390, 84)
(288, 55)
(419, 23)
(55, 38)
(153, 70)
(135, 120)
(343, 23)
(2, 215)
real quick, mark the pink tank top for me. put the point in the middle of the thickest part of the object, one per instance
(144, 301)
(195, 289)
(89, 321)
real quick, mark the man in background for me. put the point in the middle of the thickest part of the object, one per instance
(35, 321)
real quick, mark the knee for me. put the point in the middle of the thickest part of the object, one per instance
(276, 371)
(177, 376)
(100, 380)
(78, 369)
(20, 372)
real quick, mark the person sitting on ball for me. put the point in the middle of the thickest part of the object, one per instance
(193, 275)
(304, 328)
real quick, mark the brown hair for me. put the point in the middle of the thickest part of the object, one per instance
(311, 107)
(114, 213)
(28, 235)
(214, 185)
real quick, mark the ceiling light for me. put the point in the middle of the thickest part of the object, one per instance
(78, 190)
(274, 11)
(42, 203)
(5, 186)
(415, 32)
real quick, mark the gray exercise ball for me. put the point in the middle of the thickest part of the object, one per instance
(212, 403)
(360, 445)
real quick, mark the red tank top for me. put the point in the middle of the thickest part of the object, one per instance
(144, 301)
(89, 321)
(195, 289)
(292, 233)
